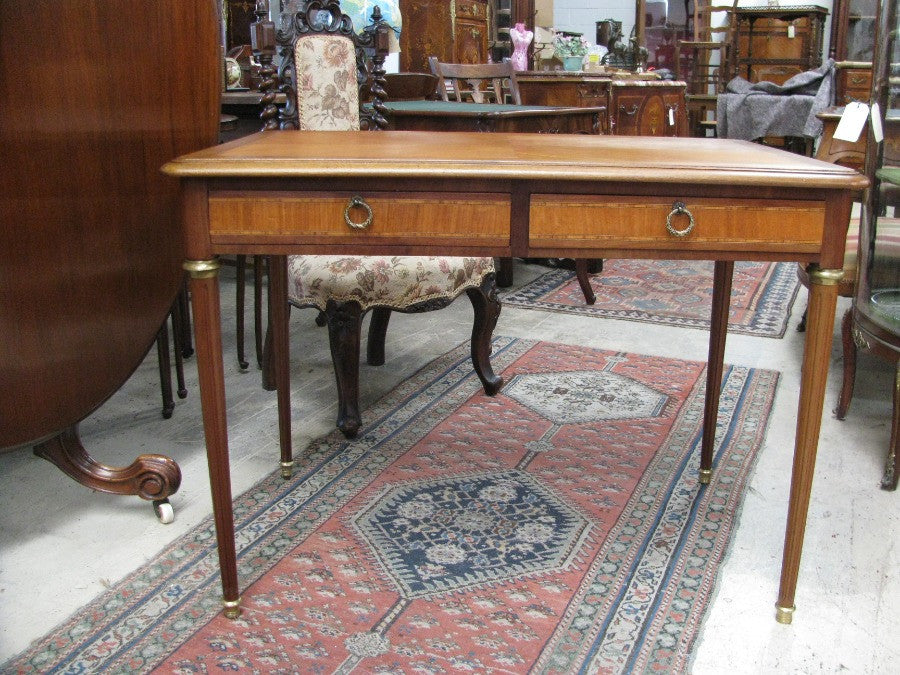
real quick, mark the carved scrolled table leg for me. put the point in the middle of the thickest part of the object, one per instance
(150, 477)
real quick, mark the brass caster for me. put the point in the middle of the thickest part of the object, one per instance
(287, 469)
(784, 615)
(232, 608)
(705, 476)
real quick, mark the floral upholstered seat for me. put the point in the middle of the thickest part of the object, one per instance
(328, 72)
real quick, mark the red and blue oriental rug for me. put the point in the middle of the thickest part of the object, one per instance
(672, 292)
(556, 527)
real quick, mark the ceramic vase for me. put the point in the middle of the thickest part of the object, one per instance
(572, 62)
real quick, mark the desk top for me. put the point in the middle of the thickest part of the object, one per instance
(415, 154)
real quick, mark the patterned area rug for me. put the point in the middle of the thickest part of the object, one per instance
(674, 292)
(555, 527)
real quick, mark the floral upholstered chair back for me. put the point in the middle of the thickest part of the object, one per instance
(324, 66)
(327, 89)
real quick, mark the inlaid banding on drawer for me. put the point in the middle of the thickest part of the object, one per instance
(640, 222)
(310, 215)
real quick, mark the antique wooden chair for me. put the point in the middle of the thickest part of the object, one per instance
(496, 83)
(702, 62)
(322, 70)
(476, 82)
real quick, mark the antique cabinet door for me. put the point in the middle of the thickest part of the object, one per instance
(471, 32)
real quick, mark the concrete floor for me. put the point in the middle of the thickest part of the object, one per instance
(62, 544)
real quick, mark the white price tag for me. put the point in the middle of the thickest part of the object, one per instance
(877, 131)
(852, 122)
(792, 32)
(671, 117)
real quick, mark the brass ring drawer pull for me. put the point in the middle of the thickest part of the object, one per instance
(678, 208)
(358, 202)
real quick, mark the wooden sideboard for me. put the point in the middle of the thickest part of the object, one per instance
(633, 107)
(775, 43)
(454, 32)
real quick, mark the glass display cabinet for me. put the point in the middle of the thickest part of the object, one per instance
(874, 321)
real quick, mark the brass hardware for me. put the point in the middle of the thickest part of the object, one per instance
(201, 269)
(678, 208)
(287, 469)
(632, 112)
(817, 275)
(705, 476)
(859, 339)
(784, 614)
(358, 202)
(232, 608)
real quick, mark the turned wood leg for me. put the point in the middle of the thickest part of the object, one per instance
(178, 346)
(819, 333)
(344, 325)
(165, 369)
(504, 272)
(240, 267)
(150, 477)
(849, 370)
(258, 272)
(581, 273)
(182, 316)
(211, 375)
(280, 356)
(486, 309)
(378, 326)
(718, 332)
(891, 466)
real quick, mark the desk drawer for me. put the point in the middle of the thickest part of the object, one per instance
(628, 222)
(307, 217)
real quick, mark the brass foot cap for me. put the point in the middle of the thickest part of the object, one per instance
(287, 469)
(232, 608)
(705, 476)
(784, 614)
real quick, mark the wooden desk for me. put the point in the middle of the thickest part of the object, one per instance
(528, 195)
(493, 117)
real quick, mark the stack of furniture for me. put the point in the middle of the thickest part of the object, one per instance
(636, 105)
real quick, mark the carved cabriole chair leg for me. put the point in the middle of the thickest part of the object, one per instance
(344, 322)
(486, 307)
(581, 273)
(849, 370)
(378, 326)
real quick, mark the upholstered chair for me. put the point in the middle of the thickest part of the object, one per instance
(324, 62)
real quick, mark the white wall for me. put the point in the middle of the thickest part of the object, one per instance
(581, 15)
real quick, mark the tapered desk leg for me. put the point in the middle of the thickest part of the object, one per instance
(211, 373)
(819, 332)
(281, 357)
(718, 331)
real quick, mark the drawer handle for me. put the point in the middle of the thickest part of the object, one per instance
(354, 203)
(678, 209)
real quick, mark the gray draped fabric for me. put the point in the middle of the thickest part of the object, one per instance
(753, 110)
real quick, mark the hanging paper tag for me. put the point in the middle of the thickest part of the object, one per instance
(671, 117)
(792, 32)
(877, 131)
(852, 122)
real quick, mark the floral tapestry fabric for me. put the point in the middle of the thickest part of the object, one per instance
(327, 93)
(387, 281)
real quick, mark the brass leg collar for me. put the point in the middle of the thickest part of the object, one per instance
(232, 608)
(287, 469)
(824, 277)
(784, 614)
(705, 476)
(201, 269)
